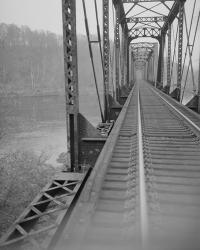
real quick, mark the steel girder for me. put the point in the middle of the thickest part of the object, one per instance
(106, 49)
(142, 45)
(144, 32)
(145, 1)
(172, 15)
(117, 51)
(71, 79)
(160, 61)
(146, 19)
(169, 59)
(180, 48)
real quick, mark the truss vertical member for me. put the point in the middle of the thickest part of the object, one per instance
(127, 60)
(161, 61)
(125, 57)
(198, 109)
(106, 48)
(122, 58)
(148, 69)
(71, 79)
(180, 48)
(169, 59)
(117, 51)
(149, 61)
(132, 67)
(150, 73)
(155, 63)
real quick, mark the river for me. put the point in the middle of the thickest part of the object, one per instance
(36, 124)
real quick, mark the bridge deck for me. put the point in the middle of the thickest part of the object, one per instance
(121, 208)
(144, 189)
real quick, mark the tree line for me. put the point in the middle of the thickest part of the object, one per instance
(31, 62)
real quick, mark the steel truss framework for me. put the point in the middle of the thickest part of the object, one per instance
(144, 32)
(151, 26)
(140, 56)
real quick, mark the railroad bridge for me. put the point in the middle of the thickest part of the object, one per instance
(134, 181)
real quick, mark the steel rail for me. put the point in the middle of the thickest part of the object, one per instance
(142, 182)
(105, 178)
(179, 112)
(95, 222)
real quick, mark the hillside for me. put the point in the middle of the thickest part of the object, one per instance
(31, 62)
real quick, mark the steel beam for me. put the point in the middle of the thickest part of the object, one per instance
(106, 48)
(146, 19)
(122, 58)
(180, 48)
(117, 51)
(71, 79)
(169, 60)
(144, 32)
(127, 60)
(146, 1)
(160, 62)
(142, 45)
(126, 46)
(172, 15)
(198, 108)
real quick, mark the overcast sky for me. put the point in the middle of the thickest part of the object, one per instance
(37, 14)
(42, 14)
(47, 15)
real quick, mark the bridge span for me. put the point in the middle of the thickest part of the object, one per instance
(143, 192)
(142, 199)
(134, 181)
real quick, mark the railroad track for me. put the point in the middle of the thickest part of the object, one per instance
(144, 191)
(172, 163)
(149, 196)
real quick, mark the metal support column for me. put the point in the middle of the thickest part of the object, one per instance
(132, 69)
(148, 68)
(122, 57)
(71, 79)
(106, 48)
(169, 60)
(117, 52)
(155, 63)
(125, 57)
(180, 48)
(161, 61)
(127, 61)
(198, 108)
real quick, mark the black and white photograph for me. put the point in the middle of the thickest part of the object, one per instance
(100, 124)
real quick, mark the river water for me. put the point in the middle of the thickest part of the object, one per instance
(36, 124)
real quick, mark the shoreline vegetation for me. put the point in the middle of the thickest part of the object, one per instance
(23, 175)
(32, 65)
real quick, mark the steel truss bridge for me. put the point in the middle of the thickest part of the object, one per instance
(134, 181)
